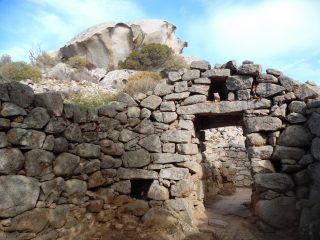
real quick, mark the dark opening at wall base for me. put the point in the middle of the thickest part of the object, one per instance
(140, 188)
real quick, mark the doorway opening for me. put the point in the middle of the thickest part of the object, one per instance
(228, 182)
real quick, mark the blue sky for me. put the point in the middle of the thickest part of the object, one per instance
(283, 34)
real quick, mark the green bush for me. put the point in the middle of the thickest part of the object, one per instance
(91, 99)
(142, 82)
(20, 71)
(149, 57)
(78, 61)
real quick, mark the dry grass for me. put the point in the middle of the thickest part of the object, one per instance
(143, 82)
(78, 61)
(90, 99)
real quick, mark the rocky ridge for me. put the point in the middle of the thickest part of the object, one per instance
(107, 43)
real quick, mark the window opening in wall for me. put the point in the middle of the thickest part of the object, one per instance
(140, 188)
(218, 91)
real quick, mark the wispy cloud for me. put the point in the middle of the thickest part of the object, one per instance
(271, 32)
(260, 29)
(52, 23)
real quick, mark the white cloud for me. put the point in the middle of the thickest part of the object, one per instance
(260, 29)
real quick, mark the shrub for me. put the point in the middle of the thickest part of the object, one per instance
(45, 59)
(78, 61)
(175, 63)
(5, 58)
(141, 82)
(149, 57)
(20, 71)
(90, 99)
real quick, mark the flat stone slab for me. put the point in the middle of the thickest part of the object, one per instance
(223, 107)
(126, 173)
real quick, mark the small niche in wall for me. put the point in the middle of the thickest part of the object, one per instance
(140, 188)
(218, 87)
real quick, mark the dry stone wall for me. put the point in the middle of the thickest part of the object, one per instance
(226, 155)
(137, 160)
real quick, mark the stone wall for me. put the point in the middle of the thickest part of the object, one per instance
(226, 155)
(137, 160)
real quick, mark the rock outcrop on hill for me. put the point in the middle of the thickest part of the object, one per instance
(107, 43)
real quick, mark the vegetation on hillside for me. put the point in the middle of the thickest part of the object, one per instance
(78, 61)
(90, 99)
(18, 71)
(41, 58)
(153, 56)
(142, 82)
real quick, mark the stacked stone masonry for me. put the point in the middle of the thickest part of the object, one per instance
(135, 159)
(226, 154)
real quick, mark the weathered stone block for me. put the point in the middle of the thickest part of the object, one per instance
(65, 164)
(199, 89)
(174, 76)
(261, 152)
(315, 148)
(22, 196)
(189, 149)
(28, 139)
(216, 74)
(136, 159)
(250, 69)
(182, 188)
(176, 96)
(256, 139)
(256, 124)
(283, 152)
(174, 173)
(38, 162)
(75, 190)
(53, 102)
(11, 161)
(279, 213)
(37, 118)
(168, 106)
(163, 158)
(151, 102)
(223, 107)
(268, 89)
(127, 135)
(123, 187)
(11, 110)
(151, 143)
(200, 65)
(88, 150)
(180, 86)
(20, 94)
(297, 107)
(313, 124)
(295, 136)
(125, 173)
(157, 192)
(191, 75)
(278, 182)
(176, 136)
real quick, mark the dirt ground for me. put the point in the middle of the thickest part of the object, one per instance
(230, 218)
